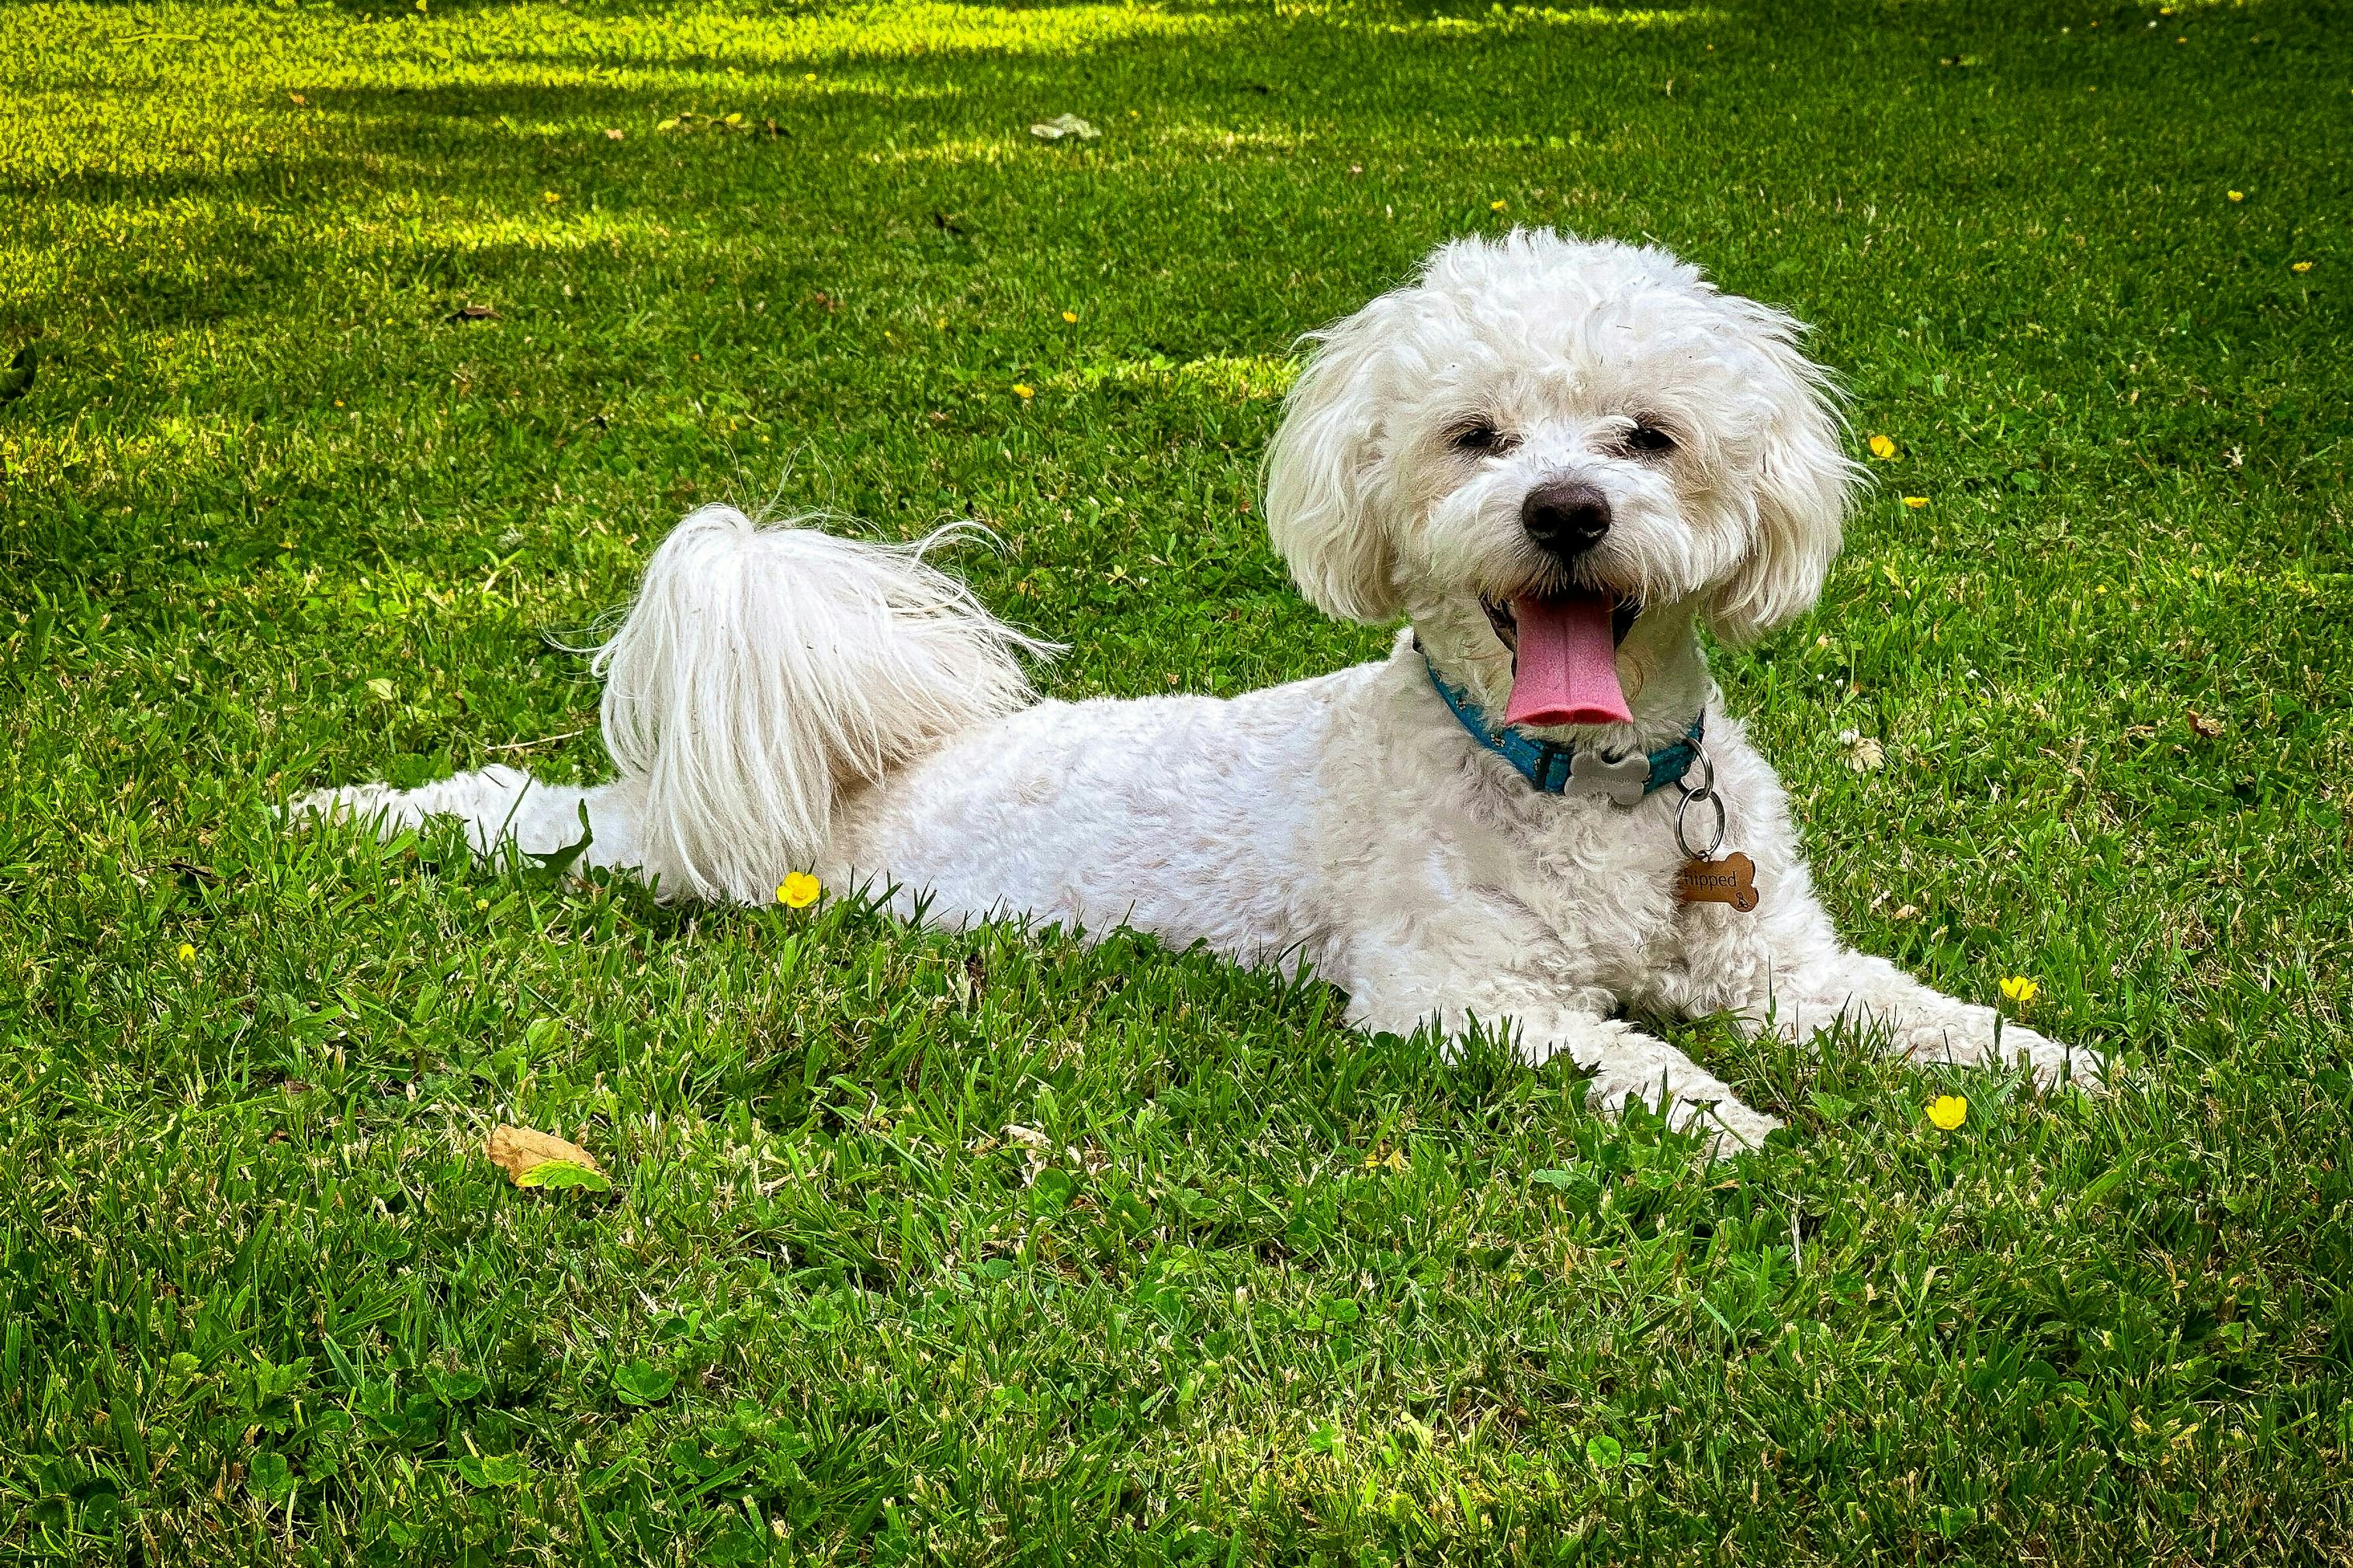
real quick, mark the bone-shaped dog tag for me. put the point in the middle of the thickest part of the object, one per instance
(1731, 880)
(1622, 780)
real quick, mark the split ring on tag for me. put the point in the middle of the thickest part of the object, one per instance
(1723, 823)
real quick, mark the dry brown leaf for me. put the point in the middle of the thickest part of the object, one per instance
(2207, 728)
(519, 1149)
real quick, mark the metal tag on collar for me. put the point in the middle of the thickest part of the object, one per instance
(1703, 878)
(1625, 780)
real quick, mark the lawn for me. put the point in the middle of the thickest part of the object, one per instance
(362, 353)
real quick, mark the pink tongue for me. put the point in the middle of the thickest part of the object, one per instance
(1567, 671)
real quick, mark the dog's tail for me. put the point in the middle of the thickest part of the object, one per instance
(764, 670)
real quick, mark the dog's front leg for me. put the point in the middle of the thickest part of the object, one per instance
(1626, 1063)
(1816, 979)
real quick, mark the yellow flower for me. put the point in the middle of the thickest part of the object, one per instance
(2019, 988)
(1497, 207)
(1947, 1111)
(1024, 391)
(1070, 315)
(1915, 502)
(187, 951)
(550, 197)
(798, 890)
(1881, 447)
(2299, 267)
(2236, 196)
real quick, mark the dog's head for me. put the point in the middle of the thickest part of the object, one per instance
(1539, 415)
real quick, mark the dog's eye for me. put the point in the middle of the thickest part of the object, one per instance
(1649, 439)
(1479, 436)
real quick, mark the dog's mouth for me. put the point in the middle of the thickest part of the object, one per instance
(1499, 615)
(1565, 655)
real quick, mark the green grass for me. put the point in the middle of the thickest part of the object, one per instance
(272, 517)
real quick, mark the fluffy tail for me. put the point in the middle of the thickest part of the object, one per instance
(764, 670)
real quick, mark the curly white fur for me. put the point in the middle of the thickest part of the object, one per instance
(781, 700)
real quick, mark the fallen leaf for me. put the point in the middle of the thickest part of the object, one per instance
(2206, 727)
(1063, 125)
(1865, 755)
(612, 133)
(474, 313)
(522, 1154)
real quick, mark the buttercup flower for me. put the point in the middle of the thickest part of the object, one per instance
(2019, 988)
(550, 197)
(798, 890)
(1947, 1111)
(1915, 502)
(1070, 315)
(1881, 447)
(2236, 196)
(187, 951)
(1023, 390)
(1497, 207)
(2299, 267)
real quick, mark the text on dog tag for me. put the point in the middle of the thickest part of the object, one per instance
(1731, 880)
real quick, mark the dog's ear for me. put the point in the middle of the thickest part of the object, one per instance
(1802, 486)
(1320, 512)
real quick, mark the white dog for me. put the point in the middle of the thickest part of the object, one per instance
(1556, 460)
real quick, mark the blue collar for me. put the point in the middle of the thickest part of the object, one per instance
(1559, 767)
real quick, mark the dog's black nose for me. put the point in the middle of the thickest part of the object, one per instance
(1567, 517)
